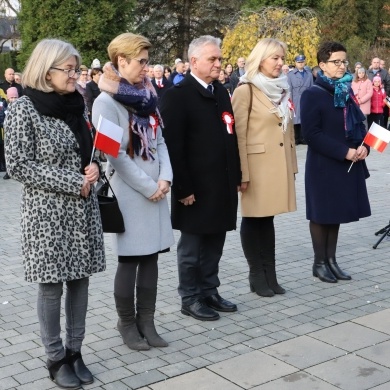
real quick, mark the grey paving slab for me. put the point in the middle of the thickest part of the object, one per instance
(351, 372)
(378, 353)
(297, 381)
(379, 321)
(303, 352)
(350, 336)
(252, 369)
(202, 379)
(260, 325)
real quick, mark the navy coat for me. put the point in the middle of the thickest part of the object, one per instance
(333, 195)
(204, 157)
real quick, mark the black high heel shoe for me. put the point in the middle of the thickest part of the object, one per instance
(77, 364)
(337, 271)
(62, 374)
(322, 271)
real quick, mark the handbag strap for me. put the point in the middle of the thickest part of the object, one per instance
(250, 102)
(106, 181)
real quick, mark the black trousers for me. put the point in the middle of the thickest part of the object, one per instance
(2, 157)
(377, 118)
(298, 134)
(198, 258)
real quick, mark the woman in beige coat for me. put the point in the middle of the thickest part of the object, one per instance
(263, 114)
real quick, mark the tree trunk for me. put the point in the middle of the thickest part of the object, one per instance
(186, 29)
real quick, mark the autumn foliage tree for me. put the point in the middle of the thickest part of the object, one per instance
(299, 29)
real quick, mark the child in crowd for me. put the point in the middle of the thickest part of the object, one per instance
(377, 103)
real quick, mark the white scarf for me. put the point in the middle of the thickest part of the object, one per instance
(277, 91)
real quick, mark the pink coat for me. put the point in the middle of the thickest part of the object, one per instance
(363, 92)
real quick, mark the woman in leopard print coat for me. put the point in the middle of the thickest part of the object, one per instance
(48, 146)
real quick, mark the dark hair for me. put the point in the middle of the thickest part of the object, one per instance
(96, 71)
(327, 48)
(168, 69)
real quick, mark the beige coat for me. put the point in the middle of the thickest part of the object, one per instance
(268, 157)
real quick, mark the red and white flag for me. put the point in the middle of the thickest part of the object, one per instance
(377, 137)
(108, 137)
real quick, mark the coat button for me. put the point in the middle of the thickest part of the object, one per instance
(280, 124)
(281, 144)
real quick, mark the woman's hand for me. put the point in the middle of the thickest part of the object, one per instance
(244, 186)
(164, 186)
(361, 152)
(352, 155)
(158, 195)
(86, 188)
(92, 173)
(188, 201)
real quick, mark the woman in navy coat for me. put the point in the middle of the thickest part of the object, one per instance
(332, 125)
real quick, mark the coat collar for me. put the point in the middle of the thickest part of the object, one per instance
(204, 92)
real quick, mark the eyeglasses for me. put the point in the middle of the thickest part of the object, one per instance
(70, 72)
(142, 61)
(339, 62)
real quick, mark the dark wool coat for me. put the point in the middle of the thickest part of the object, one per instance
(161, 91)
(204, 157)
(333, 195)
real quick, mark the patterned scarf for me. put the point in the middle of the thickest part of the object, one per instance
(345, 98)
(140, 100)
(341, 88)
(277, 91)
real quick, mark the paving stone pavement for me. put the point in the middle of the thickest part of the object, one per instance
(316, 336)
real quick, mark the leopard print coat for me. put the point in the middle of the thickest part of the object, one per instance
(62, 237)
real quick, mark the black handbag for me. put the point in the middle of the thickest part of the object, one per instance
(110, 213)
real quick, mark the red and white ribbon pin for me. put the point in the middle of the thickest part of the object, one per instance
(228, 120)
(153, 123)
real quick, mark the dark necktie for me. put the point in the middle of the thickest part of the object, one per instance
(159, 83)
(210, 88)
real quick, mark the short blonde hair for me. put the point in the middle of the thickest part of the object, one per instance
(48, 53)
(127, 45)
(264, 49)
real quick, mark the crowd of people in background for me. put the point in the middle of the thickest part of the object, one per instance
(204, 129)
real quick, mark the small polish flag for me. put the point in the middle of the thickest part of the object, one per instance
(108, 137)
(377, 137)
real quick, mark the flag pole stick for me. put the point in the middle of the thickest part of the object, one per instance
(94, 141)
(354, 161)
(93, 152)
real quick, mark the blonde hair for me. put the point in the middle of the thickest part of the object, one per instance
(127, 45)
(48, 53)
(360, 70)
(263, 50)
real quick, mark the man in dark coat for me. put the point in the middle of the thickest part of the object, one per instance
(9, 82)
(160, 83)
(202, 144)
(238, 72)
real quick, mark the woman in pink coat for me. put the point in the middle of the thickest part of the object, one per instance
(362, 88)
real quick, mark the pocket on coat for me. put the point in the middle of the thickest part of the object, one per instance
(254, 149)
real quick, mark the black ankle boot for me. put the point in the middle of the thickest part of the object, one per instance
(334, 267)
(62, 374)
(77, 364)
(322, 271)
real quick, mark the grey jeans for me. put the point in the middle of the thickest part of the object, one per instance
(49, 312)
